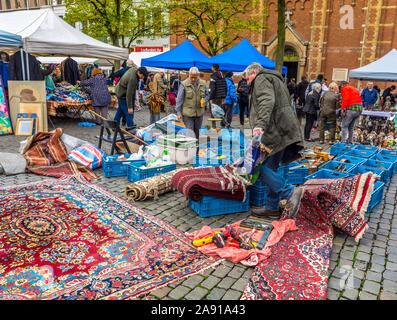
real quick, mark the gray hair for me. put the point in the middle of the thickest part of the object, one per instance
(254, 67)
(194, 70)
(317, 87)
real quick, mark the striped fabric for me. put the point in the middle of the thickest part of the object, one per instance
(87, 155)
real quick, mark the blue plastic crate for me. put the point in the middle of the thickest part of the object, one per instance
(383, 165)
(392, 153)
(113, 168)
(387, 158)
(135, 173)
(212, 206)
(332, 165)
(364, 169)
(341, 148)
(210, 162)
(326, 174)
(353, 160)
(258, 194)
(232, 136)
(295, 173)
(367, 148)
(377, 195)
(366, 154)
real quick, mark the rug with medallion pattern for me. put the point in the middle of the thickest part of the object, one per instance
(297, 269)
(70, 239)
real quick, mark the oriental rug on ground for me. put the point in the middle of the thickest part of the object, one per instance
(297, 269)
(70, 239)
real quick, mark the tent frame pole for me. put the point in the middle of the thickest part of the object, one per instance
(23, 65)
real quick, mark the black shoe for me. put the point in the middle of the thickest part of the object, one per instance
(293, 203)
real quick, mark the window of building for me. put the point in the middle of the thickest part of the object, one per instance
(8, 4)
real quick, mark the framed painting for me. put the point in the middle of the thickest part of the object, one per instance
(24, 127)
(28, 97)
(5, 119)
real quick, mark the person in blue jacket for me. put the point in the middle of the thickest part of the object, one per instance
(369, 95)
(230, 100)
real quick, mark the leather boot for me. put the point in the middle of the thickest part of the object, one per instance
(293, 203)
(262, 212)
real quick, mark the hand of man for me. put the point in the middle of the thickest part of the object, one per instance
(130, 110)
(257, 132)
(343, 112)
(180, 117)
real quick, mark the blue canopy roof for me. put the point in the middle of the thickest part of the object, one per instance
(10, 40)
(239, 57)
(182, 57)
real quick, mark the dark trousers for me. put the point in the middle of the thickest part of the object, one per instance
(243, 104)
(102, 111)
(228, 108)
(193, 126)
(324, 118)
(310, 119)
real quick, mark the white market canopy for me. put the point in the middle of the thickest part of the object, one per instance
(137, 57)
(58, 60)
(384, 69)
(44, 33)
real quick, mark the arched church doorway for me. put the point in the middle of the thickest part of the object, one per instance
(291, 61)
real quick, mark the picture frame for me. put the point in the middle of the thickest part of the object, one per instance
(24, 127)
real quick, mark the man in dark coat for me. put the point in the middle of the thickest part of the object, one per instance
(271, 115)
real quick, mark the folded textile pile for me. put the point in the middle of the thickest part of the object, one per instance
(47, 155)
(297, 269)
(151, 187)
(221, 182)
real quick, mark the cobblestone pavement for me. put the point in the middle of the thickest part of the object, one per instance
(358, 271)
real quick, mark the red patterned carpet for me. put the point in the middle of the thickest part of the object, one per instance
(298, 266)
(70, 239)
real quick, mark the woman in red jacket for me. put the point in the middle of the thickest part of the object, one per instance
(352, 106)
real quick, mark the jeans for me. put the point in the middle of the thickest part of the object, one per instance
(193, 126)
(277, 187)
(154, 117)
(123, 110)
(348, 123)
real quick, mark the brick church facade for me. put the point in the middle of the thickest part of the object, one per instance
(330, 37)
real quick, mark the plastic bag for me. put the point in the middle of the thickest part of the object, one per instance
(138, 155)
(217, 111)
(88, 155)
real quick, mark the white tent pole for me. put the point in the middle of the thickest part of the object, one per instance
(23, 65)
(27, 66)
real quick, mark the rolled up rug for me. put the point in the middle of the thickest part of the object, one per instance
(151, 187)
(221, 182)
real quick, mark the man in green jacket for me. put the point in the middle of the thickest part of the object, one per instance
(190, 102)
(126, 91)
(272, 116)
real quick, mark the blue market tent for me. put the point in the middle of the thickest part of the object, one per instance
(239, 57)
(384, 69)
(182, 57)
(10, 40)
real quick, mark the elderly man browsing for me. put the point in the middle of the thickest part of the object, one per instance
(272, 116)
(191, 100)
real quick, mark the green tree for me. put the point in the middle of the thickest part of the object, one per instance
(216, 24)
(280, 35)
(121, 21)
